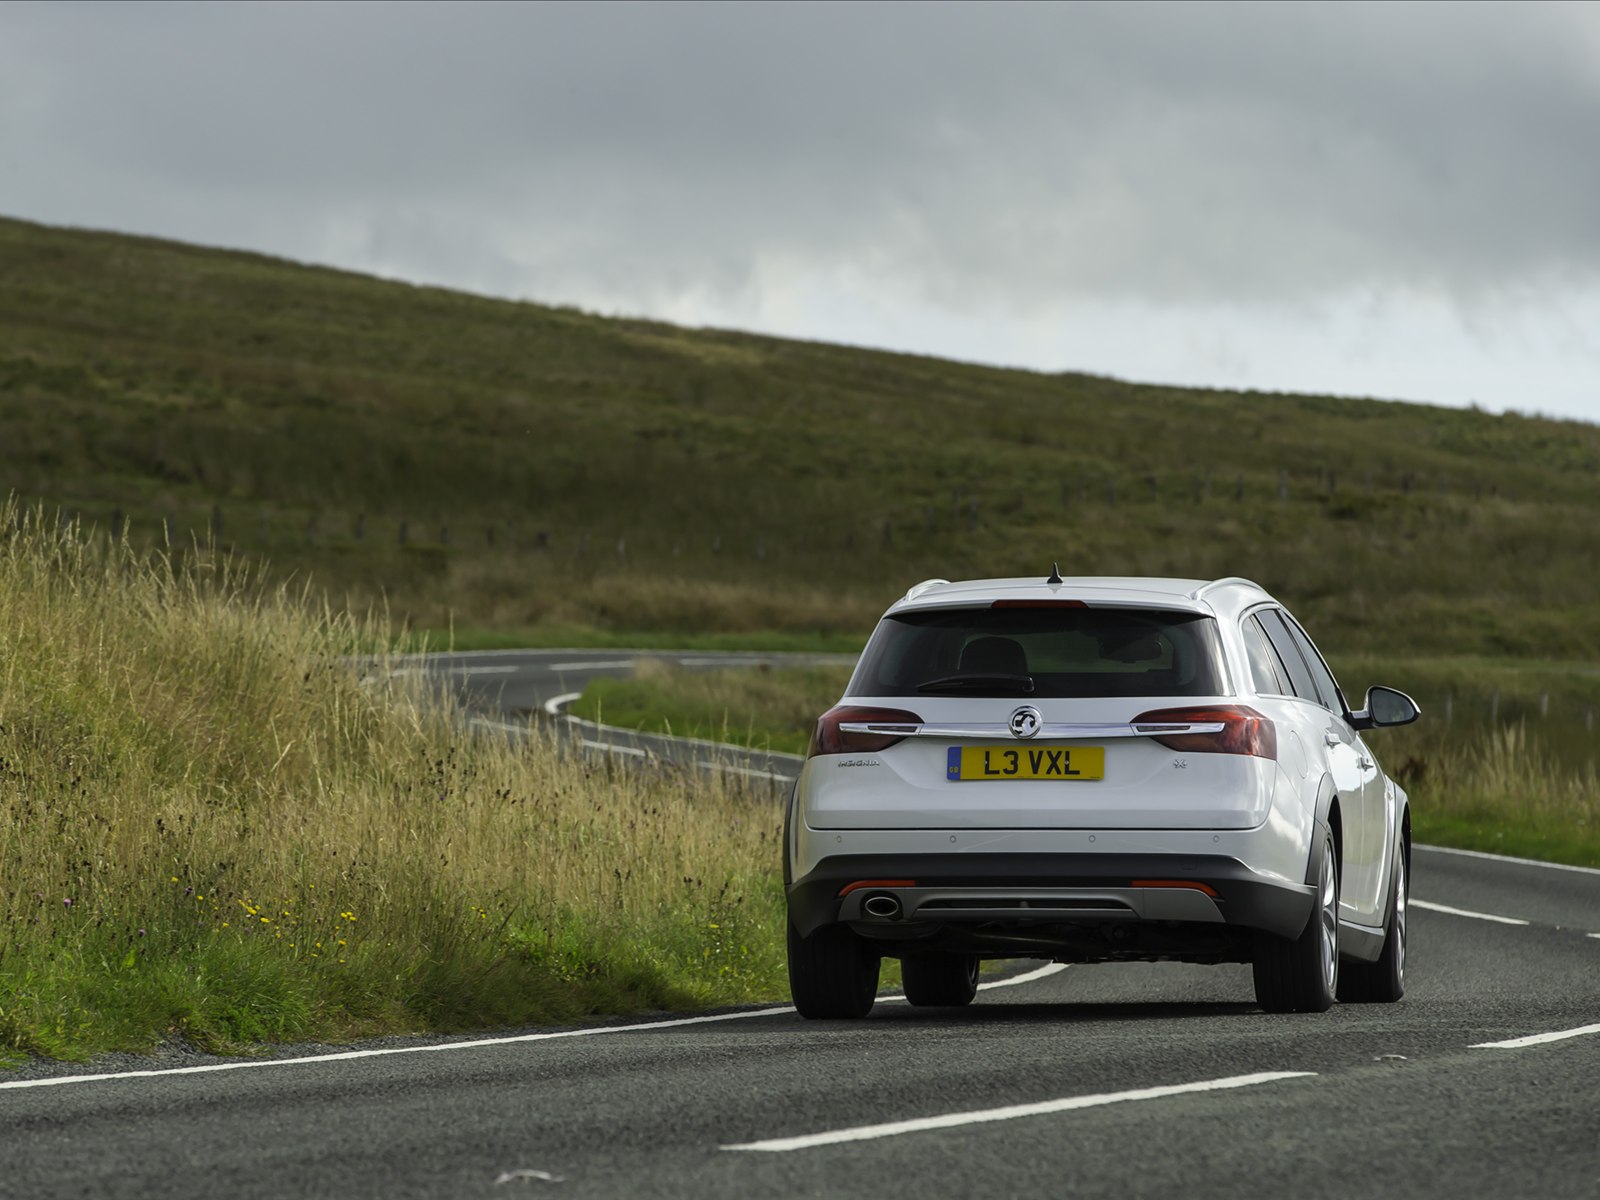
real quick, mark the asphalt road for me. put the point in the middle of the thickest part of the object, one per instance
(1120, 1080)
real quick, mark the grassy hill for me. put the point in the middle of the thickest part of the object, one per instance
(551, 474)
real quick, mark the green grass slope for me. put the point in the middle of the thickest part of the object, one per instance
(560, 475)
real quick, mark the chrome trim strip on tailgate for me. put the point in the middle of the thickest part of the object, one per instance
(1000, 730)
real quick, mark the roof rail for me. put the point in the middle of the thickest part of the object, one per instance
(1229, 581)
(918, 589)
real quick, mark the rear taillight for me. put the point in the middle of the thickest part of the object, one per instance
(829, 738)
(1227, 729)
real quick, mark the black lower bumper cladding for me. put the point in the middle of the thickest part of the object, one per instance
(1245, 899)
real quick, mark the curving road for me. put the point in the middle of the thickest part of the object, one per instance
(1119, 1080)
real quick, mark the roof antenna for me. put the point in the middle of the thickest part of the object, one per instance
(1055, 574)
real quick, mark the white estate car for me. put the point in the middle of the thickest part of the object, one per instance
(1096, 770)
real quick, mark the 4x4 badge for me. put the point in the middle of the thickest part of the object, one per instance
(1025, 721)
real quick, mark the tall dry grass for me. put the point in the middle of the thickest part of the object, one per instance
(212, 824)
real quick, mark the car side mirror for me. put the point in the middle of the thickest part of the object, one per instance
(1385, 706)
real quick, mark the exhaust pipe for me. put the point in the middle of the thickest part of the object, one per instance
(883, 906)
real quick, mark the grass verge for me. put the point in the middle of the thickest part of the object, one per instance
(211, 827)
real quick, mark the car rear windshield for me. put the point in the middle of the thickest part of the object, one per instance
(1046, 652)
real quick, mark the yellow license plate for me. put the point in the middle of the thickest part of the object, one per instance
(1063, 763)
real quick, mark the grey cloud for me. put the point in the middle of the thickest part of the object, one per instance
(1008, 154)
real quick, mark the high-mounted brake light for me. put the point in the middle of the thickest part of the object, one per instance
(829, 738)
(1038, 604)
(1243, 730)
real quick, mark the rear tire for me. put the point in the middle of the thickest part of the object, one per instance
(833, 974)
(1301, 974)
(940, 980)
(1383, 981)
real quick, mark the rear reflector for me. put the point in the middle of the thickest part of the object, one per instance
(875, 883)
(1177, 883)
(830, 739)
(1244, 730)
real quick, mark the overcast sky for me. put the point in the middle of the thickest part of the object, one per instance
(1390, 200)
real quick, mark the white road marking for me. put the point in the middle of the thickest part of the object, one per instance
(1526, 862)
(1538, 1039)
(1593, 935)
(1043, 972)
(405, 672)
(1462, 912)
(555, 704)
(750, 771)
(609, 748)
(486, 723)
(1012, 1112)
(722, 662)
(441, 1047)
(624, 663)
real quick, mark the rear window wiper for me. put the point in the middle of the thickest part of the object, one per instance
(1004, 684)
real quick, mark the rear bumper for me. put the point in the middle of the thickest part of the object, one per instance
(1019, 890)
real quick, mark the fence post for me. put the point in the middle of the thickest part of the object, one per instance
(1544, 704)
(1494, 705)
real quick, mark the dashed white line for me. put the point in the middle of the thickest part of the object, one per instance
(1538, 1039)
(1011, 1112)
(1462, 912)
(621, 663)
